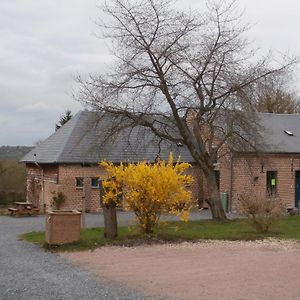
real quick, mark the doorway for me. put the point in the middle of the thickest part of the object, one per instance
(297, 188)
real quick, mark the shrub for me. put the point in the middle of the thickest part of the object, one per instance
(58, 199)
(8, 198)
(263, 211)
(150, 190)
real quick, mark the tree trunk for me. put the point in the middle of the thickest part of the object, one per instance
(110, 221)
(214, 199)
(110, 216)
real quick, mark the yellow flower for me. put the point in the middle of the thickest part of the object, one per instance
(150, 189)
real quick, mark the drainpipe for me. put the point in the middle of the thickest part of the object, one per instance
(43, 190)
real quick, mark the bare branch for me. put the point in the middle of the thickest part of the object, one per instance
(188, 77)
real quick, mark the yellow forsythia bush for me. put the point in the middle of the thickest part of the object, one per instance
(150, 190)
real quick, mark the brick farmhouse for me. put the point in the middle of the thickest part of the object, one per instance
(68, 162)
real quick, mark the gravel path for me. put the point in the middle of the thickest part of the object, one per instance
(28, 272)
(208, 270)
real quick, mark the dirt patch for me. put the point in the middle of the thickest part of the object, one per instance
(268, 269)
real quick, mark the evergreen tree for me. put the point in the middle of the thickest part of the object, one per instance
(64, 119)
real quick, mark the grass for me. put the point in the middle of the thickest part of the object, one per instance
(90, 238)
(238, 229)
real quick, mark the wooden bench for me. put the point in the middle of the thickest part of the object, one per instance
(35, 211)
(30, 211)
(23, 209)
(13, 211)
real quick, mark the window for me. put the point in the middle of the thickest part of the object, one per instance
(95, 182)
(79, 182)
(271, 183)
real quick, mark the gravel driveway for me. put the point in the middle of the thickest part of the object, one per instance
(28, 272)
(210, 270)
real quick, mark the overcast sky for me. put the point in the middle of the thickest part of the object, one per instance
(44, 44)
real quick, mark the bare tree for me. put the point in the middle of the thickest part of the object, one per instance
(275, 96)
(181, 70)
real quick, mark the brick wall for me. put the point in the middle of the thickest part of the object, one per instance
(75, 196)
(244, 175)
(68, 173)
(224, 168)
(62, 178)
(41, 180)
(250, 176)
(197, 186)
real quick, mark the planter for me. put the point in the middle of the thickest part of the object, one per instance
(62, 226)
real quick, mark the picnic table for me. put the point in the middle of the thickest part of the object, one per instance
(23, 209)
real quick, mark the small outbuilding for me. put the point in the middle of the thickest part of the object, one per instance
(68, 160)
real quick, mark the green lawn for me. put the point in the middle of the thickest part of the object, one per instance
(239, 229)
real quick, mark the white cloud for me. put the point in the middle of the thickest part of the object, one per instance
(45, 44)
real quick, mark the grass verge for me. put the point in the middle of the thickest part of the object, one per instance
(238, 229)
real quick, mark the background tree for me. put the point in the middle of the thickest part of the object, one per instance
(64, 119)
(2, 172)
(183, 75)
(150, 190)
(12, 182)
(2, 169)
(275, 96)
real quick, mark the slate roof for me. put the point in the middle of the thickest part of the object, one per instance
(276, 140)
(81, 140)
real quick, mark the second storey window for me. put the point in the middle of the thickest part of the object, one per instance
(79, 182)
(271, 183)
